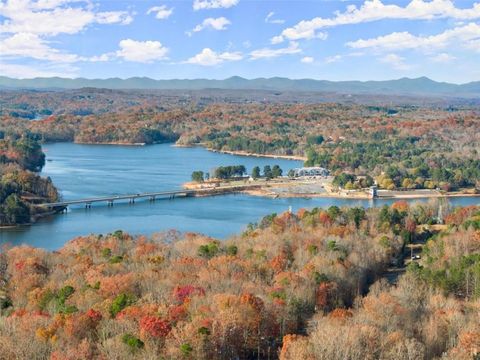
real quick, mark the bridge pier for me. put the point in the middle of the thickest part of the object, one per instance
(110, 203)
(152, 198)
(88, 205)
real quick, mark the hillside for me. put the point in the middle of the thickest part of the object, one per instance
(290, 287)
(422, 85)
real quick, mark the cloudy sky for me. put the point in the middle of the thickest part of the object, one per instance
(321, 39)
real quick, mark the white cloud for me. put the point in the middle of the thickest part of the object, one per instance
(213, 4)
(333, 59)
(114, 17)
(161, 12)
(101, 58)
(26, 45)
(374, 10)
(141, 51)
(269, 19)
(292, 48)
(27, 25)
(220, 23)
(53, 17)
(307, 60)
(443, 58)
(277, 40)
(462, 36)
(208, 57)
(397, 62)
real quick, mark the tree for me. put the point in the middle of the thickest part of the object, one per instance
(356, 214)
(227, 172)
(407, 183)
(197, 176)
(276, 171)
(334, 211)
(342, 179)
(267, 172)
(15, 211)
(256, 172)
(315, 139)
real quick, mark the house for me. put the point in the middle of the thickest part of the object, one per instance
(310, 171)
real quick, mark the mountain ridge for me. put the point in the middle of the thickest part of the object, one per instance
(422, 85)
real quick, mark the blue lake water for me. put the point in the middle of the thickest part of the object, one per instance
(82, 171)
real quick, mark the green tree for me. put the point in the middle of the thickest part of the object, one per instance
(15, 211)
(120, 303)
(333, 211)
(132, 342)
(267, 172)
(315, 139)
(256, 172)
(209, 250)
(276, 171)
(356, 214)
(197, 176)
(342, 179)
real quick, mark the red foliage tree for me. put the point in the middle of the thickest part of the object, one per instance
(154, 326)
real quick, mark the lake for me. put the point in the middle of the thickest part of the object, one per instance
(81, 171)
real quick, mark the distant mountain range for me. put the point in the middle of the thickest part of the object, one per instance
(420, 86)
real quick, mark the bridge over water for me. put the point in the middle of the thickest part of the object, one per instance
(152, 196)
(109, 200)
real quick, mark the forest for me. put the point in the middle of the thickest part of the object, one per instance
(420, 144)
(305, 285)
(21, 188)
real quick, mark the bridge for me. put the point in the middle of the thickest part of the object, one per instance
(152, 196)
(109, 200)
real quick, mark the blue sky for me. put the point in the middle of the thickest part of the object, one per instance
(320, 39)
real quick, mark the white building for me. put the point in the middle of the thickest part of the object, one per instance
(310, 171)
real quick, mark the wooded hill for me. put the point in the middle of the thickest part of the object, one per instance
(422, 85)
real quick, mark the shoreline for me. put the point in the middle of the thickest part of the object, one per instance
(33, 219)
(244, 153)
(264, 193)
(174, 144)
(109, 143)
(265, 190)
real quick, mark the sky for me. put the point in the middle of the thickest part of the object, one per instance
(216, 39)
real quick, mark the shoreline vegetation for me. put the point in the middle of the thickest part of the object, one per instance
(21, 186)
